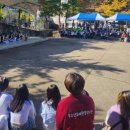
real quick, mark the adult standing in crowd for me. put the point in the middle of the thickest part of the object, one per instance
(75, 112)
(118, 116)
(22, 110)
(49, 106)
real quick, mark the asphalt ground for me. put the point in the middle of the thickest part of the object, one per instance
(105, 65)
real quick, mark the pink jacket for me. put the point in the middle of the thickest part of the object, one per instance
(113, 116)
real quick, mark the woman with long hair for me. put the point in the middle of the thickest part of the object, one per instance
(49, 106)
(118, 116)
(22, 109)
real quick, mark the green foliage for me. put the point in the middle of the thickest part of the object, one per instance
(72, 7)
(26, 16)
(54, 7)
(51, 7)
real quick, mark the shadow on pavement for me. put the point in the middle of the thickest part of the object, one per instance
(31, 60)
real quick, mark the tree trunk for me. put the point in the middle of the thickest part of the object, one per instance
(66, 16)
(19, 13)
(59, 21)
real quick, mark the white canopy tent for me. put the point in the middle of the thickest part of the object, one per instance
(119, 17)
(87, 17)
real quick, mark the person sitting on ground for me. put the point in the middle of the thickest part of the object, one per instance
(123, 37)
(5, 98)
(3, 122)
(26, 37)
(49, 106)
(75, 112)
(1, 38)
(22, 116)
(17, 36)
(118, 116)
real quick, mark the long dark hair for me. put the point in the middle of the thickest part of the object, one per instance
(124, 101)
(20, 97)
(53, 94)
(4, 83)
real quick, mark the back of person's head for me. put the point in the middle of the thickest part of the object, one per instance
(22, 92)
(4, 83)
(53, 94)
(20, 97)
(123, 100)
(74, 83)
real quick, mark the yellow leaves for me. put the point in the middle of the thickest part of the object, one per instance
(27, 17)
(118, 5)
(124, 3)
(2, 13)
(126, 12)
(109, 8)
(105, 10)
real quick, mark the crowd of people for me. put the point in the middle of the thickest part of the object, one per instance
(12, 37)
(74, 112)
(96, 31)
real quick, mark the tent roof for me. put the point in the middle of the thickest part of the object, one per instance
(119, 17)
(89, 17)
(79, 16)
(27, 5)
(100, 18)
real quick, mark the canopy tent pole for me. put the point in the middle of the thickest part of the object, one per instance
(126, 23)
(73, 24)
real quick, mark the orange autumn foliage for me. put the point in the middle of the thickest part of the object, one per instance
(110, 7)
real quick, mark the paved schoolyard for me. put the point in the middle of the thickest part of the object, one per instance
(105, 65)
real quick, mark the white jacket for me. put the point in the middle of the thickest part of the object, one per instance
(48, 114)
(4, 122)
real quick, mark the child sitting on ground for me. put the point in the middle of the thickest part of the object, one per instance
(49, 106)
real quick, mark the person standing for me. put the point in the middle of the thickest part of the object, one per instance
(124, 37)
(75, 112)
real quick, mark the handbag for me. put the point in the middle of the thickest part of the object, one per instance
(107, 127)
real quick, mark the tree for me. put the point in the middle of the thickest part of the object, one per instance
(2, 14)
(51, 8)
(88, 5)
(110, 7)
(55, 7)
